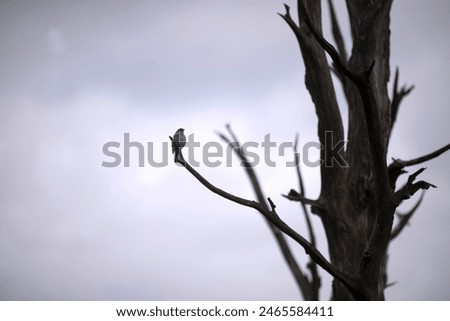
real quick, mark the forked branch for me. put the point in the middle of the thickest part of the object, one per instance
(397, 97)
(410, 188)
(274, 219)
(341, 65)
(291, 23)
(396, 168)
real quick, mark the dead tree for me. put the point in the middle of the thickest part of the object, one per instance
(357, 203)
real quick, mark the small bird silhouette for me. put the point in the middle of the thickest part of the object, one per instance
(178, 142)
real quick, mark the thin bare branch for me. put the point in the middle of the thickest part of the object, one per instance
(390, 284)
(337, 34)
(291, 23)
(315, 282)
(410, 188)
(295, 196)
(328, 47)
(297, 161)
(396, 168)
(301, 279)
(273, 217)
(422, 159)
(397, 97)
(244, 161)
(312, 236)
(404, 218)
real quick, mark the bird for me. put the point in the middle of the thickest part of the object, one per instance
(178, 142)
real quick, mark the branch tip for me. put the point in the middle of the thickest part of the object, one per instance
(413, 176)
(272, 205)
(395, 85)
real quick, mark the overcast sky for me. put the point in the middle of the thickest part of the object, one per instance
(77, 74)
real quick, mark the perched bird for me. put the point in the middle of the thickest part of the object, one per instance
(178, 142)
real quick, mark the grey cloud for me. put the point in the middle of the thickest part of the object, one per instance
(78, 74)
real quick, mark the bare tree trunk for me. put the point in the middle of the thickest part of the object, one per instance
(358, 196)
(358, 201)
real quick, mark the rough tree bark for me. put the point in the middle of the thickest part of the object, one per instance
(357, 202)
